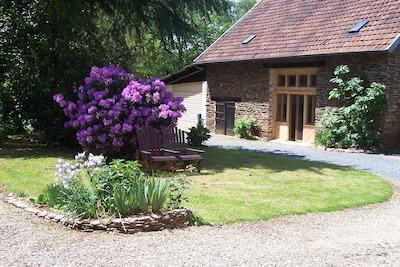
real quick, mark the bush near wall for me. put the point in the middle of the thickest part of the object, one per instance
(356, 123)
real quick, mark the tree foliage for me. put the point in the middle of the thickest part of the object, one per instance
(44, 46)
(47, 46)
(355, 124)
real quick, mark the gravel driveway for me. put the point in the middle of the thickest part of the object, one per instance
(365, 236)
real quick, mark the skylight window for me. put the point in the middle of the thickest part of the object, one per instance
(248, 39)
(357, 27)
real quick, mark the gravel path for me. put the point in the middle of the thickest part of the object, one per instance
(365, 236)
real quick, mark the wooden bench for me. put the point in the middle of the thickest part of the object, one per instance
(175, 139)
(151, 153)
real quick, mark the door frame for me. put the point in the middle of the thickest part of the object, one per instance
(289, 82)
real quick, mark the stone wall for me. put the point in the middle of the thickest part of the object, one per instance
(158, 221)
(391, 128)
(246, 82)
(250, 82)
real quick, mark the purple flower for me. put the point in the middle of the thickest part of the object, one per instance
(98, 95)
(87, 118)
(126, 128)
(156, 97)
(163, 114)
(111, 104)
(107, 122)
(59, 98)
(102, 138)
(71, 106)
(103, 103)
(92, 109)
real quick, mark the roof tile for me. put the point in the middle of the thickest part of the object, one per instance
(287, 28)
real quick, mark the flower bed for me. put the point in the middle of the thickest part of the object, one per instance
(178, 218)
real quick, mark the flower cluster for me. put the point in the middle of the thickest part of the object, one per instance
(112, 104)
(66, 171)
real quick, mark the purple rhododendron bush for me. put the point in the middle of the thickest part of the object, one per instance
(112, 104)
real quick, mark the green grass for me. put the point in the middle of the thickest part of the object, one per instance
(238, 186)
(26, 168)
(234, 186)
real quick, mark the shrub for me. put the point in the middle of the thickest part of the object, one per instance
(7, 126)
(112, 104)
(177, 187)
(89, 188)
(245, 128)
(355, 124)
(53, 195)
(79, 200)
(197, 135)
(3, 134)
(118, 172)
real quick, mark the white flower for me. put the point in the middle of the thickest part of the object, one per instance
(80, 156)
(93, 161)
(66, 171)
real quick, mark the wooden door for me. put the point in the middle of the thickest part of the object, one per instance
(225, 117)
(296, 120)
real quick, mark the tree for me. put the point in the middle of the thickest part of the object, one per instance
(169, 17)
(243, 6)
(47, 46)
(163, 56)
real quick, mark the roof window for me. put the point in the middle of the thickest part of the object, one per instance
(357, 27)
(248, 39)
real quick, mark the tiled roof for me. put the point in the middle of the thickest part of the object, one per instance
(290, 28)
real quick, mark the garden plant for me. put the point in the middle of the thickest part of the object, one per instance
(197, 135)
(112, 104)
(354, 124)
(245, 128)
(90, 188)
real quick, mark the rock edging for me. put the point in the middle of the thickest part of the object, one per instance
(158, 221)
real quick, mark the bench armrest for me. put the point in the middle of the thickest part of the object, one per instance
(170, 151)
(195, 150)
(145, 152)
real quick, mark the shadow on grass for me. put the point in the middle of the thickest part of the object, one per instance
(215, 159)
(18, 147)
(218, 159)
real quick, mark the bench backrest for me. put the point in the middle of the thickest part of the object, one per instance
(175, 139)
(149, 139)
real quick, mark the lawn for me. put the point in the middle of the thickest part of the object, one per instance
(234, 186)
(27, 167)
(239, 186)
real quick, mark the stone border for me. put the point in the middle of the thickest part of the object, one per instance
(158, 221)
